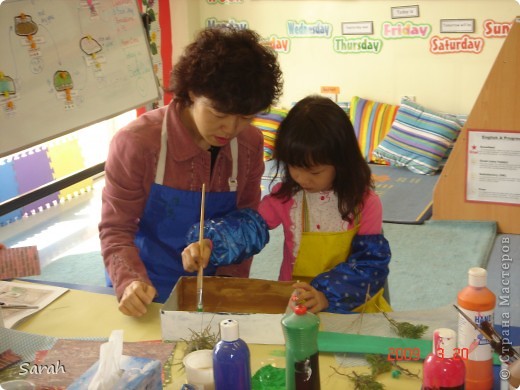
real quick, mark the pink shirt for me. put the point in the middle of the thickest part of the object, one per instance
(323, 215)
(130, 171)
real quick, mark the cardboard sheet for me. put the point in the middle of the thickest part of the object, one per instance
(18, 262)
(257, 305)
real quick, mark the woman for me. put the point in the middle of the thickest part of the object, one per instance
(157, 164)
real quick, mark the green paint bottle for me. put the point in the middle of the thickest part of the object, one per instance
(300, 331)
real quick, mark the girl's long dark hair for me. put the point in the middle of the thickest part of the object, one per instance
(317, 131)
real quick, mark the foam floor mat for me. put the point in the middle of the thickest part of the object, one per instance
(407, 197)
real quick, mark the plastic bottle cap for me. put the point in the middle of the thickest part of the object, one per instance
(229, 330)
(477, 277)
(300, 310)
(444, 342)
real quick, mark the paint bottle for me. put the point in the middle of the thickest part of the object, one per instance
(478, 303)
(231, 359)
(300, 330)
(444, 367)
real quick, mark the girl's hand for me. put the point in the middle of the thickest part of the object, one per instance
(193, 256)
(314, 300)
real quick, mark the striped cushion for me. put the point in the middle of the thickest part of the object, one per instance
(372, 121)
(419, 138)
(461, 118)
(268, 123)
(345, 106)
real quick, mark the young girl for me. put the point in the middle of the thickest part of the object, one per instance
(332, 218)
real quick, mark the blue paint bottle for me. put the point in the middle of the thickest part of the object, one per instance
(231, 359)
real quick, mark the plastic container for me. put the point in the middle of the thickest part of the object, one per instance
(300, 330)
(231, 359)
(444, 368)
(199, 369)
(478, 303)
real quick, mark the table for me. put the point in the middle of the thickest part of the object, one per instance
(79, 314)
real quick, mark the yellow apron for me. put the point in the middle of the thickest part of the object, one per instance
(321, 251)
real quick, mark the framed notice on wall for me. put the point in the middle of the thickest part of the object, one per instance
(493, 167)
(457, 25)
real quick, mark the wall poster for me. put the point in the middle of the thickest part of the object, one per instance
(493, 167)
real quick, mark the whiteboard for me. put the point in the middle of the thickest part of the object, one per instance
(66, 64)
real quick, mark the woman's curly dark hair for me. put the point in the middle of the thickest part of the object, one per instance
(230, 67)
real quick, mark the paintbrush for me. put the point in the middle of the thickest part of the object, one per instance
(490, 334)
(200, 275)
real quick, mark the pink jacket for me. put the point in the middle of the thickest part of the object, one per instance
(276, 212)
(130, 171)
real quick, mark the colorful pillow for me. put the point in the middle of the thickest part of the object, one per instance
(419, 138)
(371, 121)
(461, 118)
(268, 123)
(345, 106)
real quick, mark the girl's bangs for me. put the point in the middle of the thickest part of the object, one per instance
(305, 153)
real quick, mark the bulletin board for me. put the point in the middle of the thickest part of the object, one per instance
(66, 64)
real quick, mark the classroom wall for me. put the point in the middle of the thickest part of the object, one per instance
(403, 67)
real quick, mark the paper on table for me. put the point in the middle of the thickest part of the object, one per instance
(358, 343)
(375, 335)
(33, 294)
(18, 262)
(375, 324)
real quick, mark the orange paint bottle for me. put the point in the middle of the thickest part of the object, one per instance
(478, 303)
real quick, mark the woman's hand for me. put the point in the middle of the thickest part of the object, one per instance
(193, 256)
(308, 296)
(136, 298)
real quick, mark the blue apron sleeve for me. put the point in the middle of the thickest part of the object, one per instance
(236, 236)
(345, 286)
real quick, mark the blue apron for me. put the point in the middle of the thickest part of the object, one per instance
(168, 215)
